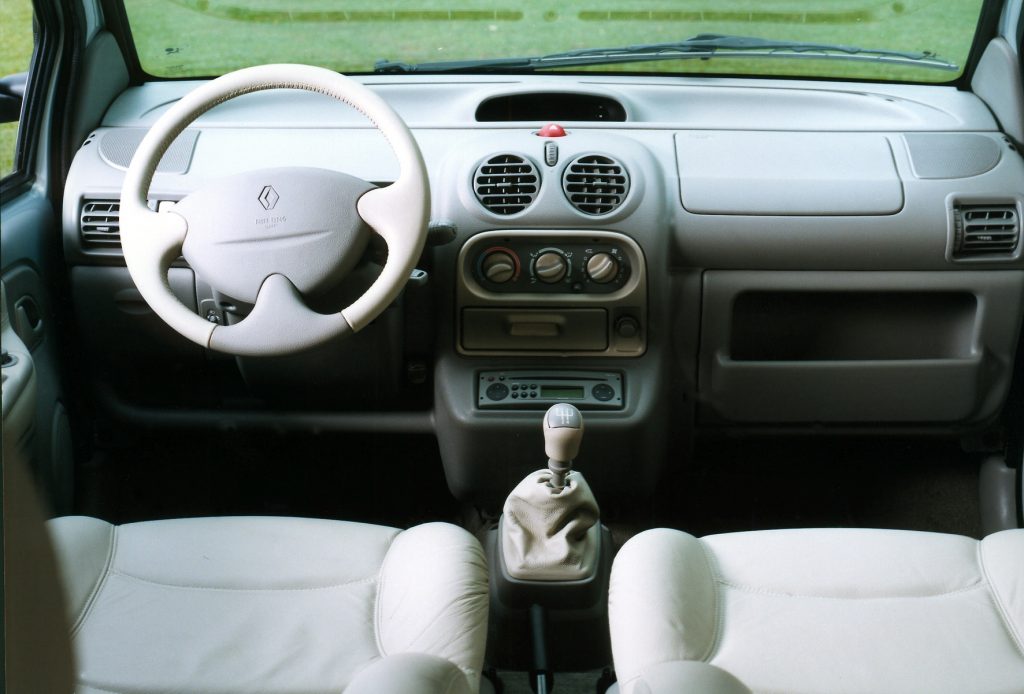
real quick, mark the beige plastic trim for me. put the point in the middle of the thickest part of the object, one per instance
(399, 213)
(997, 82)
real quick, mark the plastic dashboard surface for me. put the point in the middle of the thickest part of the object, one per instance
(792, 181)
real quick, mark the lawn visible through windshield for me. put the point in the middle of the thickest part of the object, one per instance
(178, 38)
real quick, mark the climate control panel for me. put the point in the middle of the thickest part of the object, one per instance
(538, 266)
(551, 292)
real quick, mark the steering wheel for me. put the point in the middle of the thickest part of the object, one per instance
(269, 236)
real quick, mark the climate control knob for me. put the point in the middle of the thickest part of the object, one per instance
(550, 267)
(602, 268)
(498, 266)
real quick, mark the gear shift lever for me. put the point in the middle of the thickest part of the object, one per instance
(550, 530)
(563, 432)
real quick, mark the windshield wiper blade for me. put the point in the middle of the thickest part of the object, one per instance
(702, 46)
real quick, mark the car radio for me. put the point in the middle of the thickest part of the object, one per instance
(514, 390)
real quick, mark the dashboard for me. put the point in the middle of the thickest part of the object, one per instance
(679, 256)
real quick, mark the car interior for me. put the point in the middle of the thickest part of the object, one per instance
(627, 346)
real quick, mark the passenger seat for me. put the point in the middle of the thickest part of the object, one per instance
(819, 611)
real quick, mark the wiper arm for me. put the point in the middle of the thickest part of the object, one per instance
(702, 46)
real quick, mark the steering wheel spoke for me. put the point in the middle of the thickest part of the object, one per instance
(387, 211)
(280, 323)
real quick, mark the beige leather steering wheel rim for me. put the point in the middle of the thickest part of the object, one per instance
(280, 322)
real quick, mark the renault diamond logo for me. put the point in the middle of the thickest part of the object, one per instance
(268, 197)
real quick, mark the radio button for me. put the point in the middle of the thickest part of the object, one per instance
(497, 391)
(603, 392)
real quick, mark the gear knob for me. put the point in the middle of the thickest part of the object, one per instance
(563, 432)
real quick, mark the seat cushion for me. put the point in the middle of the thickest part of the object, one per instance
(827, 610)
(265, 604)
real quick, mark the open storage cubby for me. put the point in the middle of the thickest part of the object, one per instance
(852, 325)
(857, 347)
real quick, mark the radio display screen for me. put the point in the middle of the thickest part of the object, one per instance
(562, 392)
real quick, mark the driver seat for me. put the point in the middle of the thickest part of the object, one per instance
(246, 604)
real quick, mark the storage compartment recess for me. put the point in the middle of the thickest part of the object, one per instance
(858, 347)
(535, 329)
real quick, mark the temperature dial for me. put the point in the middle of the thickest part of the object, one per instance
(602, 268)
(499, 266)
(550, 267)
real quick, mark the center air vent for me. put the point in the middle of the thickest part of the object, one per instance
(506, 184)
(594, 184)
(986, 229)
(100, 222)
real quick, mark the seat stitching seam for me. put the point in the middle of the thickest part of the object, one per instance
(764, 591)
(186, 586)
(452, 677)
(107, 691)
(100, 582)
(377, 635)
(998, 602)
(719, 607)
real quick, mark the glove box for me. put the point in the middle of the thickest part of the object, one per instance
(857, 347)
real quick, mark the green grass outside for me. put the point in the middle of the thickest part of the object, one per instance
(178, 38)
(15, 54)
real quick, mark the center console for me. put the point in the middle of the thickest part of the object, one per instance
(542, 316)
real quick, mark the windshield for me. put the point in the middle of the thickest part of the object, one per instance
(188, 38)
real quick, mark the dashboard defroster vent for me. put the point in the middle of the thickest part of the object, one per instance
(506, 184)
(594, 184)
(986, 229)
(101, 222)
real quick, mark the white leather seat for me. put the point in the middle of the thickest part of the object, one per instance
(272, 605)
(830, 610)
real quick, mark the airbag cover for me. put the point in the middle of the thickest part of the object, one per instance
(298, 222)
(794, 173)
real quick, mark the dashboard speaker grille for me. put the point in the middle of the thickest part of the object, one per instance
(117, 147)
(595, 184)
(986, 229)
(506, 184)
(101, 223)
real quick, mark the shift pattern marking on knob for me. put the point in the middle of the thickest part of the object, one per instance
(602, 267)
(550, 266)
(563, 416)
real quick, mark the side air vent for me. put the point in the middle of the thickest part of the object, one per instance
(594, 184)
(100, 223)
(506, 184)
(985, 229)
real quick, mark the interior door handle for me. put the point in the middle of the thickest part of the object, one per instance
(28, 321)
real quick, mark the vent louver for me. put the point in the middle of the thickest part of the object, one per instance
(100, 222)
(595, 185)
(506, 184)
(986, 229)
